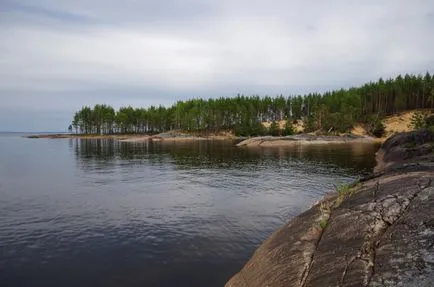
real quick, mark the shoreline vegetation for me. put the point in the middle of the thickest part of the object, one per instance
(359, 114)
(402, 122)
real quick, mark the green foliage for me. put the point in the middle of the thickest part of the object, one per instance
(323, 223)
(343, 189)
(379, 129)
(418, 121)
(429, 120)
(249, 129)
(274, 129)
(335, 111)
(288, 130)
(309, 125)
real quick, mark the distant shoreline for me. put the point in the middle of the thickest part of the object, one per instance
(167, 137)
(266, 141)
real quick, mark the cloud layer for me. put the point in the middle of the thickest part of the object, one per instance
(56, 56)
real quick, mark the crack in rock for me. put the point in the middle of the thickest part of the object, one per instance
(308, 265)
(325, 211)
(387, 211)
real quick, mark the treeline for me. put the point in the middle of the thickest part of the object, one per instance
(335, 111)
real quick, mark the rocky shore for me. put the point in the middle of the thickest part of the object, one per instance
(304, 139)
(85, 136)
(167, 137)
(377, 232)
(266, 141)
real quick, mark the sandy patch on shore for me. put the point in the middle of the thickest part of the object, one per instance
(398, 123)
(298, 126)
(359, 130)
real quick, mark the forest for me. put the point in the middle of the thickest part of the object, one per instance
(329, 112)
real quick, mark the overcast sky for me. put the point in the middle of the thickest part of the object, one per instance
(58, 55)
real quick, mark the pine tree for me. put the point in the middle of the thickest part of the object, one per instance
(288, 130)
(274, 129)
(335, 110)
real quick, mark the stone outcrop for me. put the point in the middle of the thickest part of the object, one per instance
(377, 232)
(303, 139)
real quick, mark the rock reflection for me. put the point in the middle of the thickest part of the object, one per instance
(220, 154)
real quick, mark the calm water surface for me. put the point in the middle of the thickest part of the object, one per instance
(104, 213)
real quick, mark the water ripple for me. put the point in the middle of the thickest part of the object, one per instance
(110, 214)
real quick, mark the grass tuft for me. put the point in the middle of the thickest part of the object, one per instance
(323, 223)
(343, 190)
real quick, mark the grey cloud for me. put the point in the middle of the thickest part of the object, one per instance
(63, 54)
(14, 7)
(118, 12)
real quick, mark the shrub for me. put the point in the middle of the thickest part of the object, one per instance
(379, 129)
(429, 120)
(323, 223)
(257, 129)
(274, 129)
(343, 189)
(249, 129)
(309, 124)
(289, 130)
(418, 121)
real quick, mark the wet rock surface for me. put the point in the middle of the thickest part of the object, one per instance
(378, 232)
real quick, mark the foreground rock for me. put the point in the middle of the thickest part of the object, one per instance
(304, 139)
(378, 232)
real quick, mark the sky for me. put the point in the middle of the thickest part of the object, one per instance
(58, 55)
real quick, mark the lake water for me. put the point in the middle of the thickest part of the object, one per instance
(104, 213)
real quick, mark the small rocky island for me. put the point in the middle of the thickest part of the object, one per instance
(377, 232)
